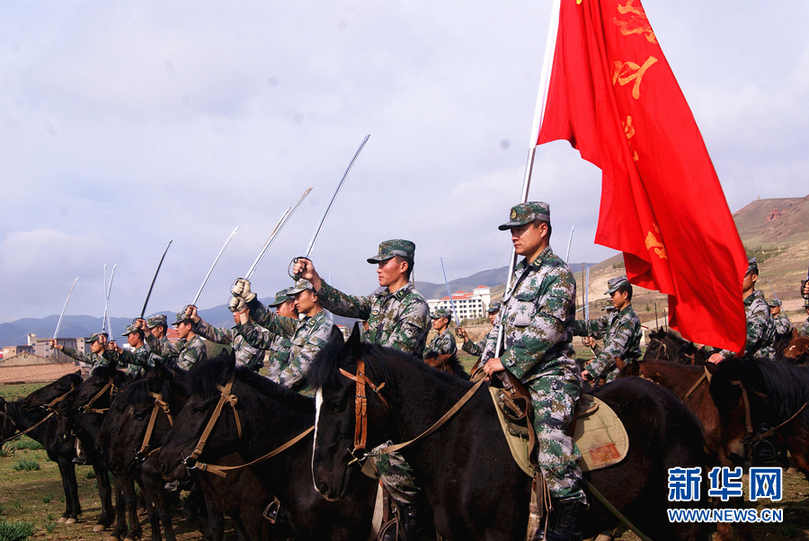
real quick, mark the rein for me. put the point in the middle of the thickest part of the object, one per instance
(748, 422)
(49, 406)
(361, 413)
(226, 397)
(109, 386)
(158, 406)
(695, 386)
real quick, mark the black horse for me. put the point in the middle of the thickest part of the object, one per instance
(777, 394)
(55, 435)
(667, 345)
(465, 468)
(269, 416)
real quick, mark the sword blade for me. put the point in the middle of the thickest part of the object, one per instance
(587, 294)
(154, 278)
(570, 243)
(334, 195)
(106, 301)
(451, 301)
(215, 261)
(67, 300)
(109, 293)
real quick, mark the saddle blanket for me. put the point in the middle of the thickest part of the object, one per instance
(598, 433)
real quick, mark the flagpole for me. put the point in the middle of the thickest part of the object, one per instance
(539, 112)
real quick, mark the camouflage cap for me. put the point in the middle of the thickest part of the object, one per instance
(95, 336)
(613, 284)
(525, 213)
(752, 266)
(494, 308)
(182, 317)
(391, 248)
(301, 285)
(438, 313)
(281, 297)
(130, 329)
(156, 321)
(775, 301)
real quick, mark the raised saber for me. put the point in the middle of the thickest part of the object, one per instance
(106, 302)
(154, 278)
(109, 294)
(328, 207)
(106, 324)
(451, 301)
(570, 243)
(274, 233)
(67, 300)
(215, 261)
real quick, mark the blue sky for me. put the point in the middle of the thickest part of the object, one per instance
(126, 124)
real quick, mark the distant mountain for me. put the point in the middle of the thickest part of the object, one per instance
(491, 278)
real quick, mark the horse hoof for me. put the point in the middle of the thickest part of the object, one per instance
(98, 528)
(70, 521)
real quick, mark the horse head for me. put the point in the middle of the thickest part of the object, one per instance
(797, 350)
(345, 379)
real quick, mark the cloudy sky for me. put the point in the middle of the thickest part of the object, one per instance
(125, 124)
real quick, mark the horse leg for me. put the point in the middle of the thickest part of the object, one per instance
(120, 511)
(63, 468)
(131, 502)
(151, 504)
(105, 495)
(216, 521)
(164, 512)
(68, 472)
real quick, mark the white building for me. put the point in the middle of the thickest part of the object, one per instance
(465, 304)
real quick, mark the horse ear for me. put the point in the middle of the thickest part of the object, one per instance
(355, 341)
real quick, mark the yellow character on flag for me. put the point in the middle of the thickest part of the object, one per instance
(653, 244)
(624, 73)
(632, 20)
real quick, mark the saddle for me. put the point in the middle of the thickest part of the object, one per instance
(597, 431)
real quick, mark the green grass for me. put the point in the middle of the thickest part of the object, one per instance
(25, 443)
(26, 465)
(18, 390)
(15, 531)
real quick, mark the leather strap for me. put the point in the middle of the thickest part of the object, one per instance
(49, 406)
(694, 387)
(86, 408)
(361, 403)
(222, 471)
(224, 398)
(158, 405)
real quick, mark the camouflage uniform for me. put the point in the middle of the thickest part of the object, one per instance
(87, 360)
(476, 348)
(307, 337)
(783, 326)
(442, 344)
(536, 317)
(246, 355)
(278, 360)
(189, 352)
(621, 331)
(162, 346)
(760, 329)
(803, 330)
(134, 361)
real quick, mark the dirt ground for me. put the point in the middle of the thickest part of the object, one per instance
(35, 373)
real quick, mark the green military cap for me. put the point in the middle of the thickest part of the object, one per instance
(301, 285)
(95, 336)
(281, 297)
(775, 301)
(182, 317)
(390, 248)
(613, 284)
(494, 308)
(156, 321)
(525, 213)
(752, 266)
(130, 329)
(438, 313)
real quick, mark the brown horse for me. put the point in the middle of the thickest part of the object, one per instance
(797, 350)
(668, 345)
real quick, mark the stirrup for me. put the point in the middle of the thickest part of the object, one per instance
(271, 511)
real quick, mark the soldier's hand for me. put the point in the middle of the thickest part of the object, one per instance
(191, 311)
(242, 289)
(589, 341)
(585, 374)
(140, 323)
(54, 345)
(716, 358)
(304, 268)
(237, 304)
(460, 331)
(492, 366)
(805, 290)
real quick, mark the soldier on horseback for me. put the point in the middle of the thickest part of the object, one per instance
(783, 326)
(87, 361)
(136, 360)
(190, 348)
(621, 331)
(476, 348)
(307, 335)
(535, 320)
(245, 354)
(155, 329)
(397, 317)
(442, 353)
(803, 330)
(760, 326)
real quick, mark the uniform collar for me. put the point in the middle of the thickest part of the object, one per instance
(752, 296)
(624, 310)
(544, 255)
(400, 294)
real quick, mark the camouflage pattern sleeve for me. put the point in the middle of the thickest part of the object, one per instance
(490, 342)
(618, 346)
(337, 302)
(191, 353)
(473, 348)
(256, 335)
(443, 344)
(413, 326)
(782, 325)
(760, 328)
(214, 334)
(547, 328)
(803, 330)
(307, 343)
(259, 313)
(595, 327)
(78, 355)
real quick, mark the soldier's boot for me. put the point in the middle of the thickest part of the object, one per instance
(564, 520)
(415, 520)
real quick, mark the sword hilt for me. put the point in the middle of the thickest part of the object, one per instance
(292, 264)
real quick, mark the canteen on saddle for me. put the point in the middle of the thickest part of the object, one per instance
(598, 432)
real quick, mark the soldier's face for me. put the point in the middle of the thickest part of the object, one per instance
(529, 237)
(775, 310)
(390, 271)
(619, 299)
(305, 301)
(133, 339)
(97, 347)
(439, 323)
(749, 281)
(183, 329)
(287, 309)
(492, 317)
(157, 331)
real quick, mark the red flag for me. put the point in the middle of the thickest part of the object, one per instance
(612, 94)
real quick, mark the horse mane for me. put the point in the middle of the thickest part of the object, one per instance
(56, 388)
(104, 372)
(786, 386)
(268, 387)
(205, 376)
(324, 368)
(135, 393)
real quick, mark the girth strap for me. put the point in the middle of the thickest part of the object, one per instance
(158, 405)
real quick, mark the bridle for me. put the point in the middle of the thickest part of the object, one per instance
(361, 408)
(225, 397)
(109, 386)
(158, 406)
(48, 407)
